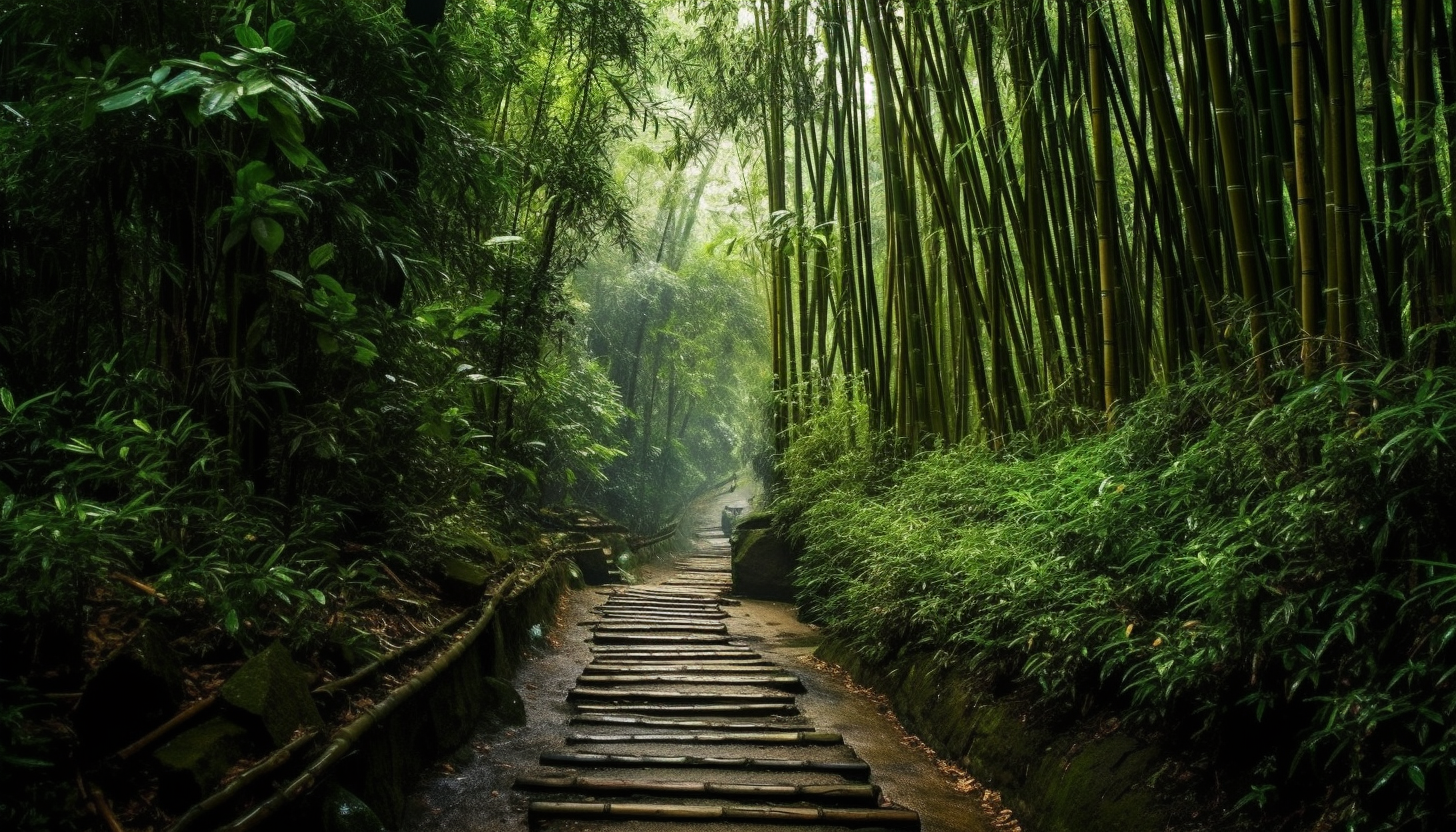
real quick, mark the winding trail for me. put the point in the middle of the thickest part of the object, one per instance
(668, 706)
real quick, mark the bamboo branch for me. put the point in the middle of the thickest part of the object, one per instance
(161, 730)
(139, 586)
(242, 781)
(346, 737)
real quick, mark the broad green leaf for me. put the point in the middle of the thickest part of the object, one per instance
(248, 37)
(318, 596)
(7, 400)
(142, 425)
(267, 233)
(231, 622)
(288, 278)
(234, 237)
(335, 287)
(328, 343)
(161, 75)
(219, 98)
(320, 257)
(129, 96)
(280, 34)
(185, 80)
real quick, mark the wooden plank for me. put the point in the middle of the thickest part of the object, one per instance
(696, 708)
(806, 815)
(832, 793)
(613, 666)
(677, 695)
(747, 738)
(693, 654)
(783, 681)
(850, 770)
(680, 723)
(675, 627)
(660, 638)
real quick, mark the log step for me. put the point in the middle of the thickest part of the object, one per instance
(664, 638)
(736, 666)
(748, 738)
(832, 793)
(784, 682)
(627, 652)
(680, 696)
(878, 818)
(852, 770)
(650, 708)
(627, 627)
(683, 724)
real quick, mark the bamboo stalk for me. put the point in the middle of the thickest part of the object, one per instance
(344, 739)
(242, 781)
(183, 716)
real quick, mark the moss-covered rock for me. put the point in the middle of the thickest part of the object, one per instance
(194, 762)
(343, 811)
(273, 690)
(137, 688)
(503, 704)
(462, 580)
(763, 565)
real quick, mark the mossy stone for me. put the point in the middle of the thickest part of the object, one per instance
(462, 580)
(763, 565)
(503, 703)
(274, 690)
(343, 811)
(195, 761)
(138, 687)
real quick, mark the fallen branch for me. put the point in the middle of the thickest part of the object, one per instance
(393, 655)
(167, 727)
(242, 781)
(98, 802)
(346, 737)
(139, 586)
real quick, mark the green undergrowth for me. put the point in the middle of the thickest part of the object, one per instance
(1268, 585)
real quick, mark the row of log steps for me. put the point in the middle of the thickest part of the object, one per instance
(666, 674)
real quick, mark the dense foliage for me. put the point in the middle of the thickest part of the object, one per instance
(286, 309)
(1273, 582)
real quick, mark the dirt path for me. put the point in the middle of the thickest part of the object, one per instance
(676, 683)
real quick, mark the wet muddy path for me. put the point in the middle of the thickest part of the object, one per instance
(680, 683)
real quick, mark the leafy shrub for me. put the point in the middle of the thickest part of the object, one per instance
(1212, 569)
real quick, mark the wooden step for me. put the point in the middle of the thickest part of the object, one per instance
(849, 770)
(804, 815)
(672, 696)
(661, 638)
(831, 793)
(612, 666)
(697, 708)
(782, 681)
(747, 738)
(613, 652)
(680, 723)
(629, 627)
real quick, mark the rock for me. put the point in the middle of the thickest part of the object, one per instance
(273, 689)
(763, 565)
(503, 704)
(343, 811)
(195, 761)
(463, 581)
(592, 561)
(135, 690)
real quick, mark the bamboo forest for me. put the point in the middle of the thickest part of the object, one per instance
(958, 415)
